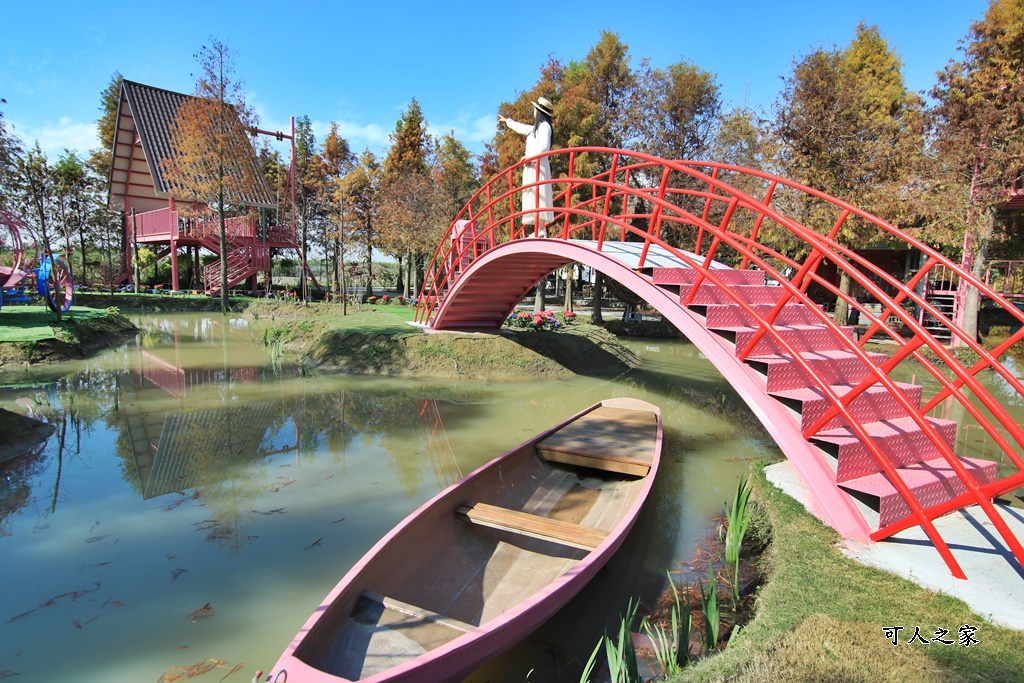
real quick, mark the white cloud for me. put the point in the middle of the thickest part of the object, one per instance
(473, 132)
(361, 136)
(55, 138)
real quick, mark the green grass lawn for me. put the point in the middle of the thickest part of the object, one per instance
(34, 323)
(820, 617)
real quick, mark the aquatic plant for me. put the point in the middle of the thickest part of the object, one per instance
(738, 521)
(712, 611)
(672, 648)
(620, 653)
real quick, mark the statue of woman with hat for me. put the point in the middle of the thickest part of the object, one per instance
(538, 141)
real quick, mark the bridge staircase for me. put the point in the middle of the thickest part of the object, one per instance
(876, 454)
(914, 459)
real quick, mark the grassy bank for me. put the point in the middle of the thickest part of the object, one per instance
(820, 617)
(31, 334)
(378, 340)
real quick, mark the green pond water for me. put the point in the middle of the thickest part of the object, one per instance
(198, 501)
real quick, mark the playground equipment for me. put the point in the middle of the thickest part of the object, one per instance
(52, 278)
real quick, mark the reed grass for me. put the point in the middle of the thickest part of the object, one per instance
(736, 529)
(712, 611)
(672, 648)
(620, 653)
(820, 616)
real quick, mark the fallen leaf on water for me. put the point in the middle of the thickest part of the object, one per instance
(277, 487)
(175, 573)
(206, 524)
(79, 624)
(96, 538)
(233, 669)
(314, 544)
(93, 527)
(21, 616)
(171, 557)
(275, 511)
(98, 564)
(113, 603)
(204, 612)
(73, 594)
(338, 520)
(222, 532)
(252, 538)
(170, 506)
(7, 673)
(181, 647)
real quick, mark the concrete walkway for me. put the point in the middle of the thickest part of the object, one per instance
(995, 581)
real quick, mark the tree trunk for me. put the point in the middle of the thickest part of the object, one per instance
(595, 308)
(567, 304)
(842, 309)
(223, 254)
(979, 257)
(400, 285)
(410, 274)
(81, 238)
(369, 258)
(538, 296)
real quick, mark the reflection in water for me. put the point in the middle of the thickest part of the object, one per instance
(187, 470)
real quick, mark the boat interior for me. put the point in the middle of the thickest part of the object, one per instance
(492, 543)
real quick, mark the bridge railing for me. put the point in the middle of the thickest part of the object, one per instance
(750, 219)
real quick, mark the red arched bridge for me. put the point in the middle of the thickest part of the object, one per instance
(740, 262)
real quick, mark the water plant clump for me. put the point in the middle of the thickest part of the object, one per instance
(692, 621)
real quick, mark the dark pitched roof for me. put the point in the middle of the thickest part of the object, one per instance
(153, 111)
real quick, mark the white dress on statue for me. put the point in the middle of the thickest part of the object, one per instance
(537, 142)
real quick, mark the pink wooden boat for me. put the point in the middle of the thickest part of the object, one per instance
(485, 562)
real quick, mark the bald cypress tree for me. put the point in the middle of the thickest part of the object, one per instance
(211, 151)
(978, 120)
(848, 126)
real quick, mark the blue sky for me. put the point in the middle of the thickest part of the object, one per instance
(360, 63)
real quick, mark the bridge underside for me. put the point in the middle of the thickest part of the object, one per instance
(489, 290)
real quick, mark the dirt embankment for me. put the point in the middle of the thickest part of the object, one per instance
(536, 355)
(73, 339)
(393, 351)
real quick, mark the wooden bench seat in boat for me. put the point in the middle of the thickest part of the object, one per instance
(611, 439)
(418, 612)
(535, 526)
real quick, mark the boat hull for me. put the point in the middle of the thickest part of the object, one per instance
(481, 565)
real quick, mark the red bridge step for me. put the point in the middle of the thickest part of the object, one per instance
(932, 482)
(872, 405)
(901, 440)
(687, 276)
(833, 366)
(801, 337)
(732, 315)
(753, 294)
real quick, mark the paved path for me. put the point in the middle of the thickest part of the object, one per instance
(995, 582)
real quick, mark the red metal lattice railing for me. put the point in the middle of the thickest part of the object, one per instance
(696, 207)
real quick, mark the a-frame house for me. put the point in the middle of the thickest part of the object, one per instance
(168, 224)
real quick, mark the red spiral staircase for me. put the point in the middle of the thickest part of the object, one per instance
(740, 275)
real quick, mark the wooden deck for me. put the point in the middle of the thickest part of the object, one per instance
(612, 439)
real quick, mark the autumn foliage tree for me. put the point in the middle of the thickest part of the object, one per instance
(979, 131)
(212, 158)
(409, 203)
(848, 126)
